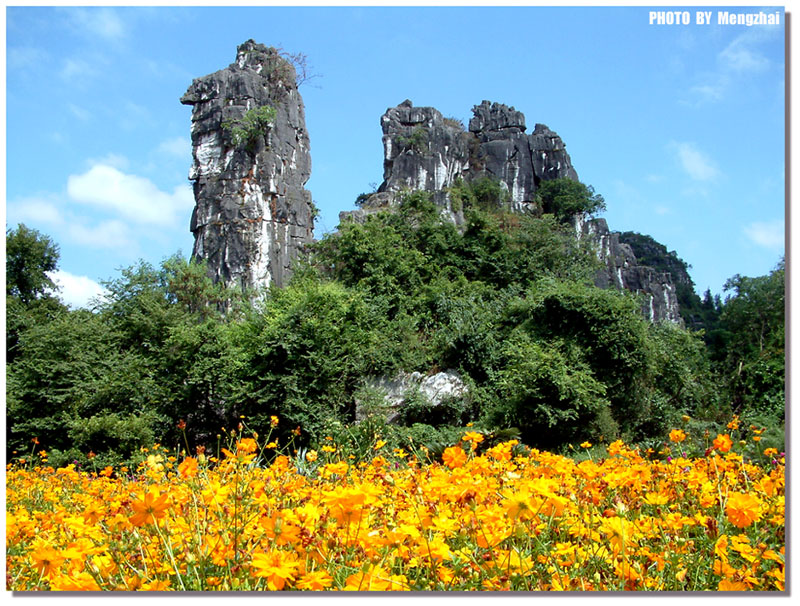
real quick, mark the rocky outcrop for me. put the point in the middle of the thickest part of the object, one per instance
(622, 271)
(423, 150)
(253, 215)
(395, 391)
(518, 160)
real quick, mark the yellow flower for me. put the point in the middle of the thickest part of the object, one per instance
(723, 442)
(311, 456)
(586, 445)
(247, 445)
(677, 435)
(46, 561)
(277, 567)
(157, 585)
(742, 509)
(188, 467)
(728, 585)
(155, 462)
(273, 421)
(151, 508)
(80, 581)
(454, 457)
(519, 505)
(473, 436)
(315, 581)
(279, 530)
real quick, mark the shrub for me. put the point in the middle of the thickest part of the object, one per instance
(565, 198)
(254, 124)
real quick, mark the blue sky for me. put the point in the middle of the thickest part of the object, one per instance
(680, 128)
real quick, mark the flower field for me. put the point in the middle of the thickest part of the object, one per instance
(484, 519)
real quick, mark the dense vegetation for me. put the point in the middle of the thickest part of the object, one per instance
(506, 300)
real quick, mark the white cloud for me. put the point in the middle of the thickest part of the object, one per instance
(34, 209)
(103, 22)
(179, 147)
(111, 159)
(770, 234)
(135, 198)
(76, 291)
(107, 234)
(694, 162)
(740, 59)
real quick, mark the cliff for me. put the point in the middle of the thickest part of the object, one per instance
(425, 151)
(251, 160)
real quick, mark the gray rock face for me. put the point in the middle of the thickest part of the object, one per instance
(253, 215)
(622, 271)
(423, 150)
(435, 389)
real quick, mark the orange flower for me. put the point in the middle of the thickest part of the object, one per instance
(315, 581)
(677, 435)
(277, 567)
(247, 445)
(520, 505)
(151, 508)
(728, 585)
(454, 457)
(81, 581)
(280, 530)
(188, 468)
(157, 585)
(47, 561)
(742, 509)
(474, 438)
(723, 442)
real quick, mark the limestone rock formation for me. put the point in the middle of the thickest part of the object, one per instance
(435, 389)
(622, 271)
(253, 215)
(425, 151)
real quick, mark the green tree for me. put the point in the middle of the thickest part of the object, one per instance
(30, 257)
(565, 198)
(303, 353)
(753, 318)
